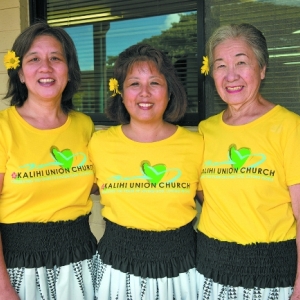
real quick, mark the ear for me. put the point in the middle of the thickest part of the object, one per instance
(263, 73)
(21, 76)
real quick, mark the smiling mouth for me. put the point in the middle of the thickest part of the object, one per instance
(145, 105)
(46, 80)
(232, 89)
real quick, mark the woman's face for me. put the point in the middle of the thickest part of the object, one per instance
(44, 69)
(236, 72)
(145, 93)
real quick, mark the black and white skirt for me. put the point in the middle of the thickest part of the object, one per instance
(146, 265)
(51, 261)
(261, 271)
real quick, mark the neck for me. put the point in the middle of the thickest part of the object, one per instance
(147, 133)
(42, 115)
(246, 113)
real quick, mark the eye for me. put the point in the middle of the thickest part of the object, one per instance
(134, 84)
(220, 66)
(34, 59)
(241, 63)
(56, 58)
(154, 83)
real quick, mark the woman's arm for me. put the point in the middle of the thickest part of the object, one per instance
(6, 289)
(295, 196)
(95, 189)
(200, 197)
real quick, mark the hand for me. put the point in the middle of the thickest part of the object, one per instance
(295, 296)
(9, 293)
(296, 292)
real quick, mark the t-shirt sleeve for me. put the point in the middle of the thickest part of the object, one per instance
(3, 151)
(292, 156)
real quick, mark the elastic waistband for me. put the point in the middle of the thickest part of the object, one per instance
(148, 253)
(263, 265)
(53, 243)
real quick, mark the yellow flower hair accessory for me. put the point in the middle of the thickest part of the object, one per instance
(11, 61)
(114, 86)
(205, 66)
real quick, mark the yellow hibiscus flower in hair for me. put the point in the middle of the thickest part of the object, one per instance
(11, 61)
(205, 66)
(114, 86)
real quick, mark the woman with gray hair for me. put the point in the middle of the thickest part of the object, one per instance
(248, 231)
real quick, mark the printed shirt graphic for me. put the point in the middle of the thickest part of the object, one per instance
(246, 173)
(149, 186)
(48, 175)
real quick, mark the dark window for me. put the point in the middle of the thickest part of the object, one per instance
(101, 29)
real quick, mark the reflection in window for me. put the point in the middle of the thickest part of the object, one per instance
(83, 39)
(111, 26)
(98, 46)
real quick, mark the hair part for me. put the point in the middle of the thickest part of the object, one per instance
(17, 90)
(249, 33)
(145, 53)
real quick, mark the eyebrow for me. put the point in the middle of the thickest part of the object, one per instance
(237, 55)
(151, 77)
(241, 54)
(36, 52)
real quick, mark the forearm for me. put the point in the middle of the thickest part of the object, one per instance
(3, 273)
(295, 197)
(6, 289)
(296, 294)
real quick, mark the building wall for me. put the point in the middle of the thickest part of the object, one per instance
(14, 18)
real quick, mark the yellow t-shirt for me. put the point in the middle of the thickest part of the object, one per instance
(246, 173)
(149, 186)
(48, 175)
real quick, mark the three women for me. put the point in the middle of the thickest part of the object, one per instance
(148, 172)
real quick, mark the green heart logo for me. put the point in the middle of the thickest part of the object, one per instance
(64, 157)
(238, 156)
(154, 173)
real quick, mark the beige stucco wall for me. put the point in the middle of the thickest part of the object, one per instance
(14, 17)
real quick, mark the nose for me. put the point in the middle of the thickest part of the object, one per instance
(45, 65)
(232, 74)
(145, 90)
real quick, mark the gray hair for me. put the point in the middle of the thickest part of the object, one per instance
(249, 33)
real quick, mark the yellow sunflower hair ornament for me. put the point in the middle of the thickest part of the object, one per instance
(114, 86)
(205, 66)
(11, 61)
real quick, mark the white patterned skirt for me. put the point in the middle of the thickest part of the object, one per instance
(51, 261)
(146, 265)
(261, 271)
